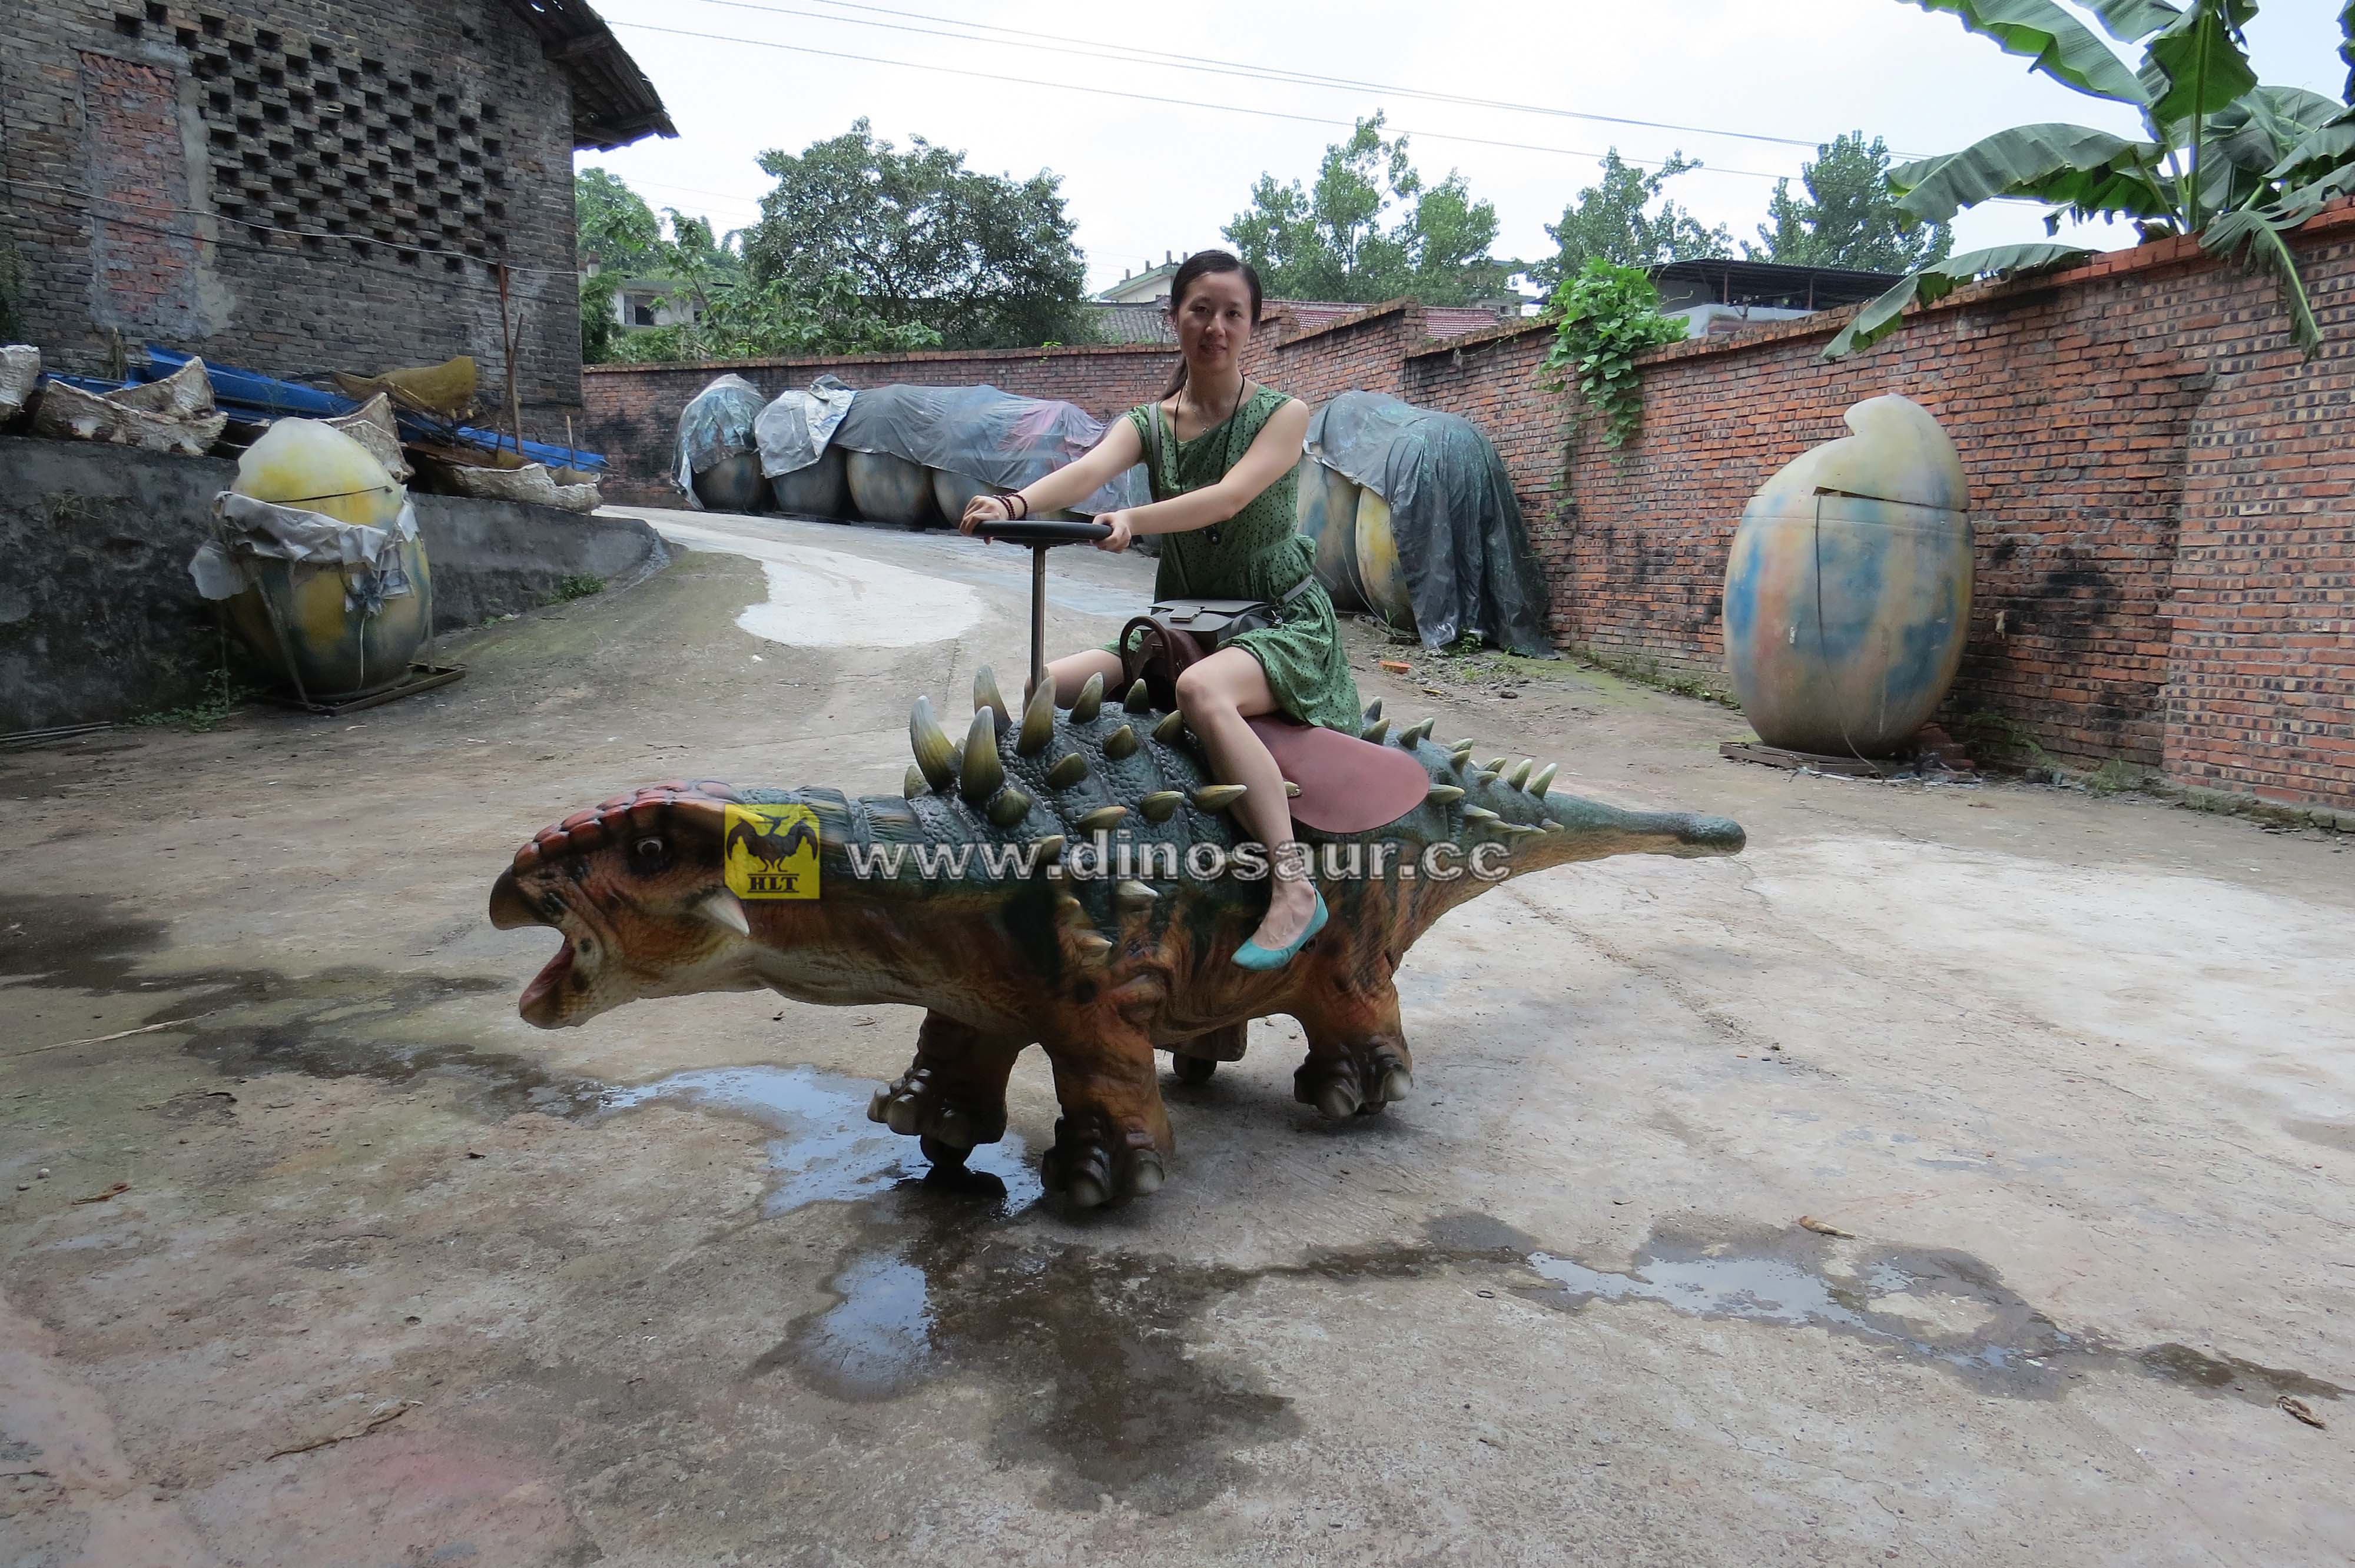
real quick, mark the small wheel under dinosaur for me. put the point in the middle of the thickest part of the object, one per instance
(1192, 1069)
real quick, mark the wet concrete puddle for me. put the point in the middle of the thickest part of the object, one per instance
(1096, 1348)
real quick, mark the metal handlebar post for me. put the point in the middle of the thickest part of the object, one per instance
(1041, 535)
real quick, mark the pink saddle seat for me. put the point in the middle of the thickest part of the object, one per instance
(1347, 785)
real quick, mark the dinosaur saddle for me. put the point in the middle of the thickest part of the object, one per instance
(1347, 785)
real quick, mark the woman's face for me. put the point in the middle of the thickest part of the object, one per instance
(1214, 321)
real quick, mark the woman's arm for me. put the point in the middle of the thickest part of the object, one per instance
(1119, 452)
(1274, 453)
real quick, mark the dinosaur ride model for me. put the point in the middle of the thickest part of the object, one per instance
(995, 896)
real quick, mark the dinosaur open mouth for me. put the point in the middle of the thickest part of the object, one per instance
(540, 997)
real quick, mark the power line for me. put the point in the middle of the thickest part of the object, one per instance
(1061, 43)
(1179, 103)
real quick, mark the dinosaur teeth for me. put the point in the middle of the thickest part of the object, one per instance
(986, 695)
(916, 784)
(1219, 796)
(722, 908)
(1138, 701)
(1444, 795)
(1067, 772)
(1122, 741)
(1070, 911)
(984, 773)
(1090, 701)
(1373, 710)
(1010, 806)
(1544, 779)
(1050, 849)
(1134, 896)
(1102, 819)
(935, 753)
(1092, 946)
(1038, 722)
(1161, 805)
(1375, 731)
(1168, 731)
(1519, 777)
(1480, 814)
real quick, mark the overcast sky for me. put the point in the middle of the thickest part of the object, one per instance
(1143, 178)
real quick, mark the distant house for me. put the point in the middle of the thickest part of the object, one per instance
(1148, 287)
(295, 186)
(1725, 295)
(1130, 322)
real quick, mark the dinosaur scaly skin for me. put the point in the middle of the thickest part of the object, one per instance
(1098, 970)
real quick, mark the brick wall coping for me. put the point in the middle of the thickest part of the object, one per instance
(1432, 346)
(1355, 318)
(2175, 250)
(917, 356)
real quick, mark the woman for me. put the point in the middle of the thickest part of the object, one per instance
(1223, 501)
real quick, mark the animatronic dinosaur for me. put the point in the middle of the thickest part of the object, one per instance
(1099, 968)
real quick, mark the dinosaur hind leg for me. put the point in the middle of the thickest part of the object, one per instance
(952, 1096)
(1357, 1060)
(1113, 1139)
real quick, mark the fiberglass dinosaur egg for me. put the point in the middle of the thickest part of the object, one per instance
(1328, 513)
(890, 489)
(335, 648)
(820, 490)
(1381, 575)
(1848, 590)
(733, 484)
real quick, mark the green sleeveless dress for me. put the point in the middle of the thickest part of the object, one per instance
(1259, 553)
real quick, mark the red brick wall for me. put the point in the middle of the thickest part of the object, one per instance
(2163, 490)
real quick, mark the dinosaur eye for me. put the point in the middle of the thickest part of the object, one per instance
(648, 855)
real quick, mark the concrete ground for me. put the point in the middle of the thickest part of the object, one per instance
(1961, 1175)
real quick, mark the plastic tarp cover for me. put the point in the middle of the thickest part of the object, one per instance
(984, 434)
(716, 425)
(1469, 567)
(368, 558)
(792, 431)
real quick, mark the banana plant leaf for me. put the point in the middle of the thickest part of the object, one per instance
(2347, 48)
(2196, 66)
(2061, 47)
(1879, 318)
(2257, 129)
(2327, 146)
(2132, 21)
(2253, 236)
(2090, 171)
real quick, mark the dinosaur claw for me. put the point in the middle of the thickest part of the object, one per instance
(953, 1126)
(878, 1103)
(904, 1117)
(1336, 1101)
(1396, 1082)
(1086, 1190)
(1145, 1174)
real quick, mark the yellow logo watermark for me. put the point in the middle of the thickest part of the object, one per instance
(771, 852)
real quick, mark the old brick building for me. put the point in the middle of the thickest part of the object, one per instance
(296, 185)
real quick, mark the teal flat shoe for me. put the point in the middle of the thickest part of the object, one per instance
(1252, 956)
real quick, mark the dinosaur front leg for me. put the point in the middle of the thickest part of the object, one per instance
(1113, 1139)
(1358, 1061)
(952, 1096)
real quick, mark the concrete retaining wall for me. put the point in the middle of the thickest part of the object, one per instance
(98, 618)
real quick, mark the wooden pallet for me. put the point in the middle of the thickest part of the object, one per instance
(421, 678)
(1776, 757)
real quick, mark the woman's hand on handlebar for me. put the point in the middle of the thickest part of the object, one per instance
(1121, 534)
(984, 509)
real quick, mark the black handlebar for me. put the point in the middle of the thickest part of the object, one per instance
(1040, 532)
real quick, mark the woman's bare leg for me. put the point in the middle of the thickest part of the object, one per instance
(1071, 672)
(1216, 696)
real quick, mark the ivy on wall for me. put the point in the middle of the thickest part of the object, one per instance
(1604, 315)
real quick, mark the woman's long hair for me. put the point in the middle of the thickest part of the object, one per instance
(1194, 269)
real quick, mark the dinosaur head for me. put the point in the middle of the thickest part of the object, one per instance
(635, 886)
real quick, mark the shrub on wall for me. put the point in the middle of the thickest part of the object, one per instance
(1606, 314)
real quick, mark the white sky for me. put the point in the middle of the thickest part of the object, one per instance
(1143, 178)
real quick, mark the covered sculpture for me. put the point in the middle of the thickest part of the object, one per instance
(1428, 533)
(718, 460)
(967, 898)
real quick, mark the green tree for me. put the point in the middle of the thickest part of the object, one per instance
(614, 228)
(983, 261)
(1849, 218)
(1331, 241)
(1611, 220)
(2222, 156)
